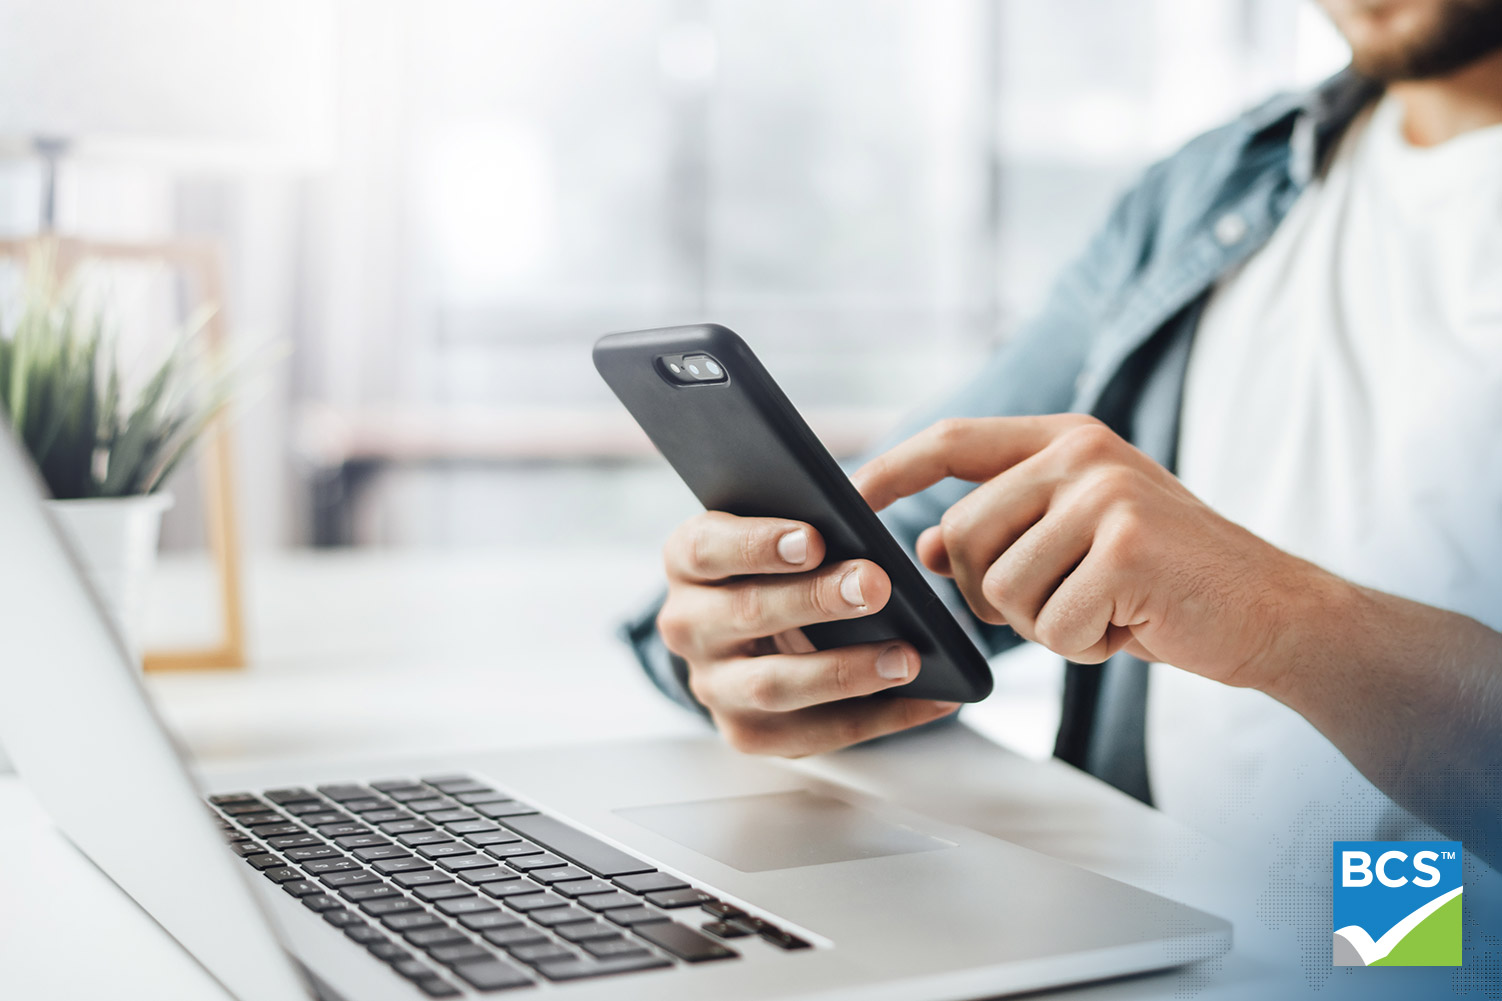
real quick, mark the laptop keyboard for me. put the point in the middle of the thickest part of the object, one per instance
(449, 881)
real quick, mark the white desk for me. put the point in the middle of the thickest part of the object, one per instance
(379, 653)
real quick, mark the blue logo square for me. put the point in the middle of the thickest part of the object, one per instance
(1397, 903)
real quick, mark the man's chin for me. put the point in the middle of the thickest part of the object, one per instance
(1396, 40)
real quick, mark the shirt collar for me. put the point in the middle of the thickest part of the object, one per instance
(1311, 122)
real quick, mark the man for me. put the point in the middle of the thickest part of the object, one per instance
(1301, 314)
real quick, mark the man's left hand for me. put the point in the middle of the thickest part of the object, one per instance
(1082, 543)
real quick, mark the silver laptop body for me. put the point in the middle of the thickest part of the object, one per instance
(832, 894)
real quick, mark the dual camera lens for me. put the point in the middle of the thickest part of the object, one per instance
(694, 368)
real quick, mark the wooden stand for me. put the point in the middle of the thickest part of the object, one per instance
(202, 264)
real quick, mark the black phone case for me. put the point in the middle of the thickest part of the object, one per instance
(742, 448)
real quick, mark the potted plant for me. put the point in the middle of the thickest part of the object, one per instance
(104, 443)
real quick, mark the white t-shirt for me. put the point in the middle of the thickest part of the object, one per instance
(1344, 402)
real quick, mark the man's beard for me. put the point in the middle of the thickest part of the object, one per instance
(1461, 32)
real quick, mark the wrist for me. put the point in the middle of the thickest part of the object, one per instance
(1322, 617)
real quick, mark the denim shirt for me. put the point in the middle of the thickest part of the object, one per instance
(1113, 340)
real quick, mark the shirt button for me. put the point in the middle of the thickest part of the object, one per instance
(1230, 230)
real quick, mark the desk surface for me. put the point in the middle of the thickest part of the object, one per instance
(429, 652)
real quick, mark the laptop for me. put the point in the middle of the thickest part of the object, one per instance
(669, 869)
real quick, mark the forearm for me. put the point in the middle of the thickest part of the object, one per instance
(1411, 694)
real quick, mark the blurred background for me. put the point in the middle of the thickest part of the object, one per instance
(432, 209)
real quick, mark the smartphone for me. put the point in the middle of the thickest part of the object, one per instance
(727, 429)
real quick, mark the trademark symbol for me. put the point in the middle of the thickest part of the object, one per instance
(1447, 855)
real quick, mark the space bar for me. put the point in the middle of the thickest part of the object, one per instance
(576, 846)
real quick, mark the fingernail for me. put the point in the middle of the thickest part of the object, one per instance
(946, 707)
(793, 547)
(850, 589)
(892, 664)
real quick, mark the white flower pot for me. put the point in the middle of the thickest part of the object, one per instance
(115, 538)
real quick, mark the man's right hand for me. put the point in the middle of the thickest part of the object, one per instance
(739, 591)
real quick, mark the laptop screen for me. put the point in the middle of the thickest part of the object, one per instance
(85, 739)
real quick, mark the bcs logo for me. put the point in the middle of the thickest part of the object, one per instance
(1397, 903)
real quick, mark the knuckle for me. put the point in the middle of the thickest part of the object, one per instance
(676, 631)
(844, 675)
(748, 737)
(746, 608)
(764, 690)
(1089, 442)
(823, 595)
(949, 432)
(1127, 538)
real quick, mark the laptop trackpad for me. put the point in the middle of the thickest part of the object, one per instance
(780, 830)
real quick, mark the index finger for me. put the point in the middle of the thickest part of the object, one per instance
(714, 545)
(967, 448)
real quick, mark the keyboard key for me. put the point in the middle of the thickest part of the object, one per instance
(342, 829)
(429, 938)
(513, 850)
(650, 882)
(481, 838)
(492, 975)
(353, 878)
(436, 987)
(367, 891)
(412, 969)
(578, 969)
(578, 887)
(508, 938)
(306, 854)
(585, 931)
(365, 805)
(680, 898)
(244, 807)
(631, 917)
(274, 830)
(444, 851)
(252, 820)
(722, 910)
(465, 953)
(246, 847)
(724, 929)
(408, 793)
(483, 920)
(388, 866)
(282, 874)
(343, 791)
(364, 934)
(540, 953)
(479, 796)
(459, 863)
(361, 841)
(320, 902)
(410, 921)
(551, 917)
(466, 826)
(387, 785)
(407, 826)
(323, 866)
(428, 805)
(306, 809)
(294, 795)
(684, 942)
(508, 808)
(263, 861)
(427, 837)
(342, 918)
(451, 816)
(388, 905)
(294, 840)
(606, 948)
(456, 906)
(782, 939)
(489, 875)
(526, 863)
(232, 799)
(423, 877)
(380, 852)
(509, 888)
(609, 901)
(454, 780)
(388, 951)
(384, 816)
(559, 874)
(442, 891)
(576, 846)
(533, 901)
(326, 817)
(301, 887)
